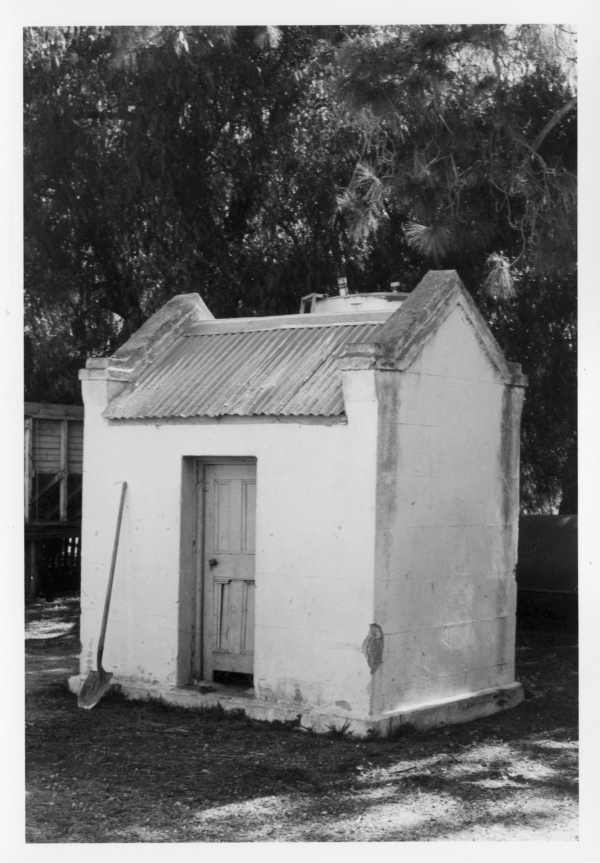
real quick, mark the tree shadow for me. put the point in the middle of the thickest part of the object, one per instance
(131, 771)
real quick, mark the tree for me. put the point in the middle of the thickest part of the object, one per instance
(162, 160)
(255, 165)
(468, 135)
(468, 156)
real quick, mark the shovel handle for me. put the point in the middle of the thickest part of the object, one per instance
(111, 576)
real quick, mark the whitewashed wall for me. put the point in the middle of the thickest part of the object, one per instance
(315, 544)
(447, 509)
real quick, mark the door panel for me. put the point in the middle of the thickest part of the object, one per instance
(228, 568)
(249, 515)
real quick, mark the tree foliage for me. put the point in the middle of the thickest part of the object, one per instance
(255, 164)
(468, 135)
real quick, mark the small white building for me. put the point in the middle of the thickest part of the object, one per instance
(321, 515)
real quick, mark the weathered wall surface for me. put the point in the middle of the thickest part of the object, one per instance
(314, 544)
(447, 510)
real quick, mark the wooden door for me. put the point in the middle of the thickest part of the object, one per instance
(228, 568)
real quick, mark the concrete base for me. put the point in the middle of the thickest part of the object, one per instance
(448, 711)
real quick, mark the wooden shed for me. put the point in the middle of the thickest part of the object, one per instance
(321, 516)
(53, 484)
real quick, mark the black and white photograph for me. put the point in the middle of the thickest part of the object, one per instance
(298, 431)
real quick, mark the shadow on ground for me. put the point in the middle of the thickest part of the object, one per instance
(127, 771)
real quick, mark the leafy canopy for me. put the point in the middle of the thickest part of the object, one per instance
(256, 164)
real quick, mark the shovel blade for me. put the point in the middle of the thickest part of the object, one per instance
(96, 684)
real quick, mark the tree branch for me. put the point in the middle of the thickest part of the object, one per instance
(552, 122)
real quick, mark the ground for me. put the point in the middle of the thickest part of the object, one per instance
(130, 772)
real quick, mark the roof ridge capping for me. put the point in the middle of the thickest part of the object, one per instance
(157, 331)
(397, 342)
(222, 326)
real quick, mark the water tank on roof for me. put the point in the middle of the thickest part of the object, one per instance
(345, 302)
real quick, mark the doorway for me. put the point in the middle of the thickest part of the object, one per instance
(223, 648)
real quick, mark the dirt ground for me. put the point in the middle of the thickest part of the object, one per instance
(131, 772)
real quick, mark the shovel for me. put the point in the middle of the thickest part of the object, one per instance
(97, 682)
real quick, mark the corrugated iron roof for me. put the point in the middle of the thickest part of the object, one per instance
(282, 366)
(183, 363)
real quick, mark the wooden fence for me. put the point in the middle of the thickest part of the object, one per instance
(53, 482)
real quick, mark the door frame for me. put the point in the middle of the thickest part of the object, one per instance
(192, 575)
